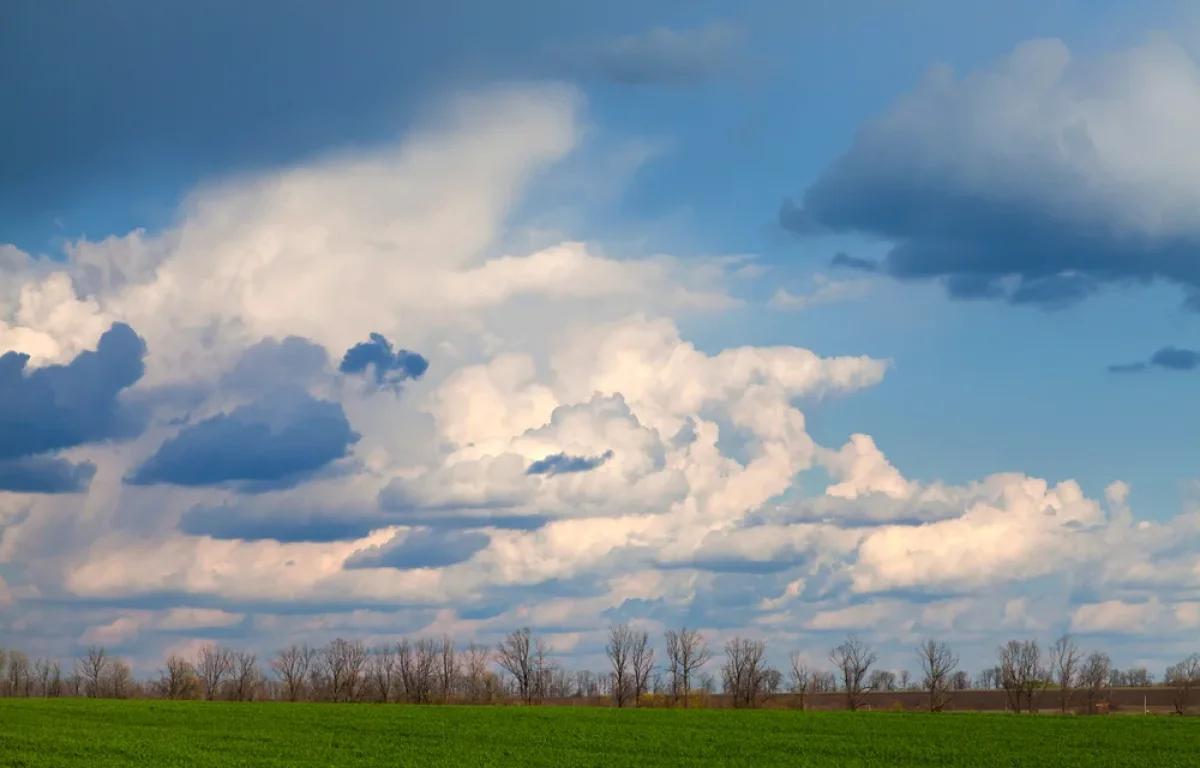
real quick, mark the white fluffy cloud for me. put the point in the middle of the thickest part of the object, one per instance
(564, 419)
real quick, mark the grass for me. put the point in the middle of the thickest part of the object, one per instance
(66, 733)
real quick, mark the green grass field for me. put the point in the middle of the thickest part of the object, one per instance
(103, 734)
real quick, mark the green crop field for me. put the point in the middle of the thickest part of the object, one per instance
(103, 734)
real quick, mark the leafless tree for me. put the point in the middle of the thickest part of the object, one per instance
(19, 675)
(417, 665)
(119, 684)
(1183, 678)
(960, 680)
(381, 668)
(882, 680)
(905, 680)
(214, 664)
(853, 658)
(937, 664)
(1138, 677)
(291, 666)
(449, 670)
(178, 680)
(1093, 677)
(245, 676)
(475, 664)
(587, 684)
(93, 668)
(618, 649)
(528, 660)
(687, 653)
(800, 676)
(1022, 673)
(559, 682)
(343, 663)
(824, 682)
(1065, 657)
(743, 671)
(642, 663)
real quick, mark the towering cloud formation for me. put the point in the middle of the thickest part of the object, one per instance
(572, 456)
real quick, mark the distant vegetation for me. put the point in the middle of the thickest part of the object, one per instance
(685, 672)
(116, 734)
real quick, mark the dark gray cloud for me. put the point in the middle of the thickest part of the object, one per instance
(1167, 358)
(421, 549)
(273, 362)
(44, 474)
(170, 93)
(63, 406)
(281, 440)
(1044, 207)
(388, 367)
(404, 507)
(562, 464)
(283, 524)
(658, 56)
(853, 262)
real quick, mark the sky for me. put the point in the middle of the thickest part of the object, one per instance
(777, 320)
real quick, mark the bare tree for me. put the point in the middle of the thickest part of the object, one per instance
(854, 659)
(1183, 677)
(527, 659)
(119, 684)
(1093, 677)
(960, 680)
(382, 672)
(642, 660)
(1138, 677)
(54, 687)
(687, 653)
(475, 664)
(800, 676)
(178, 680)
(744, 671)
(618, 649)
(291, 667)
(1022, 673)
(937, 664)
(93, 668)
(883, 680)
(245, 676)
(19, 675)
(449, 669)
(1065, 657)
(515, 655)
(214, 664)
(343, 662)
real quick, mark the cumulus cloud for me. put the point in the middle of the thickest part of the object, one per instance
(62, 406)
(674, 57)
(42, 474)
(1037, 180)
(279, 439)
(272, 363)
(387, 367)
(428, 548)
(556, 357)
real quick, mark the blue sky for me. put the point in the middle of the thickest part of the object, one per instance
(238, 186)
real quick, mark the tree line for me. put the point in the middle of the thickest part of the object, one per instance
(522, 668)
